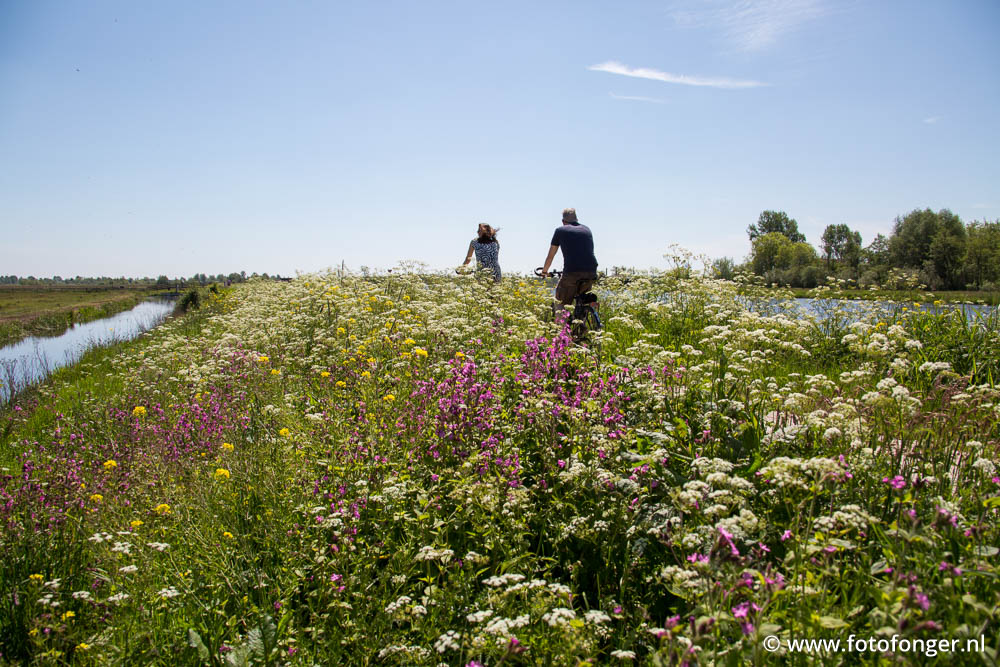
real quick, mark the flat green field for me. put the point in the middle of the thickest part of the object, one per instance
(17, 302)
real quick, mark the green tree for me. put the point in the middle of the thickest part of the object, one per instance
(841, 244)
(912, 236)
(947, 252)
(982, 253)
(765, 251)
(724, 268)
(775, 222)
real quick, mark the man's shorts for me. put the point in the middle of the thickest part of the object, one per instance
(573, 283)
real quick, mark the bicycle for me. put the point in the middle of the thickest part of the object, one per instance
(585, 316)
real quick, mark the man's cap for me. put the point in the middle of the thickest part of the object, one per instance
(569, 215)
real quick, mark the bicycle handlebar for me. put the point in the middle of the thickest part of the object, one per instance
(538, 272)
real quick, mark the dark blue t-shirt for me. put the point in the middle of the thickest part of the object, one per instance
(577, 245)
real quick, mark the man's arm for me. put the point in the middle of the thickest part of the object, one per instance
(548, 260)
(468, 257)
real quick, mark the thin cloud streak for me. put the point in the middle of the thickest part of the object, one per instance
(931, 120)
(637, 98)
(751, 25)
(614, 67)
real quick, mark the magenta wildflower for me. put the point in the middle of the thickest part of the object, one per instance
(786, 535)
(896, 482)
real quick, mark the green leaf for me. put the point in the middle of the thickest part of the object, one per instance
(255, 644)
(195, 642)
(992, 502)
(832, 622)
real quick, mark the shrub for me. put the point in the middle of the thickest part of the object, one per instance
(190, 301)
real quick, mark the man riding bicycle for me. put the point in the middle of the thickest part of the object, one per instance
(579, 262)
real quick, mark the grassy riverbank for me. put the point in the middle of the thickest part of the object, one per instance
(48, 311)
(415, 470)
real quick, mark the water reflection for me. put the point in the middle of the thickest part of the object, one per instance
(33, 358)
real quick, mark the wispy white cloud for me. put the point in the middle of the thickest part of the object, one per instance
(614, 67)
(930, 120)
(637, 98)
(749, 25)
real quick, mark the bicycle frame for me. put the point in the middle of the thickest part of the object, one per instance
(584, 308)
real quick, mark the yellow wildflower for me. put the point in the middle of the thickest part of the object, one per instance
(221, 473)
(325, 374)
(341, 384)
(365, 374)
(32, 632)
(459, 355)
(227, 446)
(110, 464)
(162, 508)
(96, 498)
(420, 352)
(82, 646)
(263, 359)
(136, 523)
(370, 360)
(285, 433)
(388, 398)
(227, 535)
(138, 411)
(341, 330)
(409, 341)
(37, 578)
(68, 615)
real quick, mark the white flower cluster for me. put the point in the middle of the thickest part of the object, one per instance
(503, 628)
(167, 593)
(503, 580)
(559, 617)
(401, 602)
(427, 553)
(792, 473)
(848, 517)
(416, 653)
(449, 641)
(683, 580)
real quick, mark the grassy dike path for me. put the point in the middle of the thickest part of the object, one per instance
(42, 311)
(416, 469)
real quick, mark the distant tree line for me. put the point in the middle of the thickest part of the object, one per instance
(933, 249)
(161, 281)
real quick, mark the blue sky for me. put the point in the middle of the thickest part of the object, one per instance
(147, 138)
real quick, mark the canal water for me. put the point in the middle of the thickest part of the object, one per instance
(32, 359)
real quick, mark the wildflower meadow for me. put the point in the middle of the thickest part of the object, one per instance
(421, 469)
